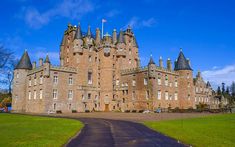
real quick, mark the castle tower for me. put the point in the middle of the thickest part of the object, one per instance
(151, 68)
(46, 65)
(20, 83)
(78, 42)
(169, 66)
(186, 90)
(97, 39)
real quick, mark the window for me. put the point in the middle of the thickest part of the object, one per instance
(89, 77)
(55, 93)
(159, 81)
(170, 97)
(133, 83)
(188, 76)
(166, 95)
(54, 106)
(96, 97)
(145, 81)
(188, 96)
(67, 60)
(176, 96)
(133, 95)
(17, 75)
(159, 94)
(147, 94)
(196, 89)
(89, 58)
(29, 95)
(195, 99)
(70, 94)
(83, 97)
(34, 94)
(117, 82)
(55, 79)
(188, 84)
(41, 80)
(70, 81)
(30, 82)
(129, 61)
(40, 94)
(176, 83)
(166, 80)
(89, 95)
(35, 81)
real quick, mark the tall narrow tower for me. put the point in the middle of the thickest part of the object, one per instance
(186, 93)
(20, 83)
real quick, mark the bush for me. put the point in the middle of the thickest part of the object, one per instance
(58, 111)
(127, 111)
(87, 111)
(141, 111)
(133, 111)
(74, 111)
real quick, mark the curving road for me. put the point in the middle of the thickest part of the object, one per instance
(109, 133)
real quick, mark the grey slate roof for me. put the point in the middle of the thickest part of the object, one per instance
(24, 62)
(120, 37)
(78, 34)
(89, 31)
(151, 61)
(182, 63)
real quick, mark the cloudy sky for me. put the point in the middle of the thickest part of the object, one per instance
(203, 28)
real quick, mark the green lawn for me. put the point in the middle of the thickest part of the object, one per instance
(209, 131)
(23, 130)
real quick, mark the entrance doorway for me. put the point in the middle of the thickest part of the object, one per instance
(106, 108)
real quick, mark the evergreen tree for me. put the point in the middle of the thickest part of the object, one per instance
(227, 91)
(232, 89)
(223, 88)
(218, 91)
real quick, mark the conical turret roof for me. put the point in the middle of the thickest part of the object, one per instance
(120, 37)
(151, 61)
(78, 34)
(24, 62)
(47, 60)
(89, 31)
(182, 63)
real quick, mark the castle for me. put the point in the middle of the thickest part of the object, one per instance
(104, 74)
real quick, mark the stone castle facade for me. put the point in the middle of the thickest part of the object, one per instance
(104, 74)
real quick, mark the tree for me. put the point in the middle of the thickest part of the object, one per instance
(232, 89)
(5, 55)
(223, 88)
(7, 73)
(227, 91)
(218, 91)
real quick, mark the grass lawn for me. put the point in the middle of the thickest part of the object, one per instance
(23, 130)
(209, 131)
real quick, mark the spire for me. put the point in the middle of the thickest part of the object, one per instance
(47, 60)
(78, 34)
(208, 84)
(151, 60)
(135, 42)
(24, 62)
(182, 63)
(89, 31)
(120, 37)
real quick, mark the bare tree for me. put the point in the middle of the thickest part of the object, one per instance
(5, 55)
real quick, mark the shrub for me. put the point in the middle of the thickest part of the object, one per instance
(58, 111)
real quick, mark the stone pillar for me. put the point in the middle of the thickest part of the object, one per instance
(169, 66)
(160, 62)
(40, 62)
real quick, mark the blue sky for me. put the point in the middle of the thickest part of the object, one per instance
(203, 28)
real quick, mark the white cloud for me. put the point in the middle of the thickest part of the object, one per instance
(218, 75)
(73, 9)
(136, 22)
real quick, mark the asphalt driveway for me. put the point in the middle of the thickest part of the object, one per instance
(109, 133)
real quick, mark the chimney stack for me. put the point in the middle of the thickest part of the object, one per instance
(40, 62)
(97, 39)
(114, 36)
(34, 65)
(160, 62)
(169, 66)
